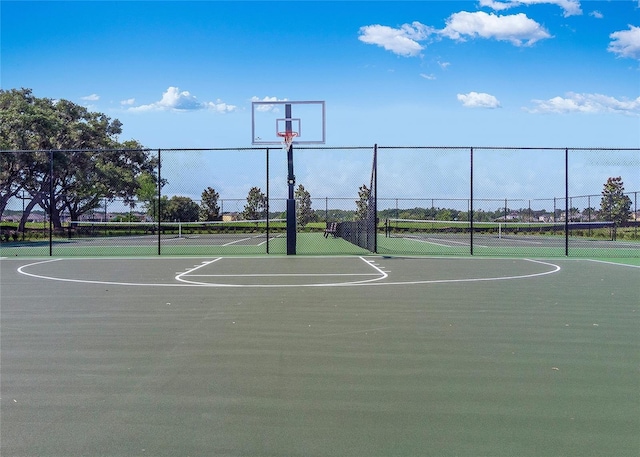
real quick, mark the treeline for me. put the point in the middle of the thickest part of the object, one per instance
(77, 181)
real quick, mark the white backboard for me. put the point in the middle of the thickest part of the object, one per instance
(307, 119)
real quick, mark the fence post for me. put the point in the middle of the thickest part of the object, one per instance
(159, 200)
(471, 203)
(635, 214)
(267, 202)
(566, 202)
(326, 211)
(52, 202)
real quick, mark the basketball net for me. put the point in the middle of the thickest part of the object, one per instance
(287, 139)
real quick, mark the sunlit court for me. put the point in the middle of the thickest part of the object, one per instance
(320, 228)
(366, 355)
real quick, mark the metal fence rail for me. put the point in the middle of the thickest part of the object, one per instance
(502, 201)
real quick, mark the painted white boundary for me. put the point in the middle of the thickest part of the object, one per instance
(373, 278)
(379, 275)
(613, 263)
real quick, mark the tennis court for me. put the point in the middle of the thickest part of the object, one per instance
(517, 239)
(430, 238)
(319, 355)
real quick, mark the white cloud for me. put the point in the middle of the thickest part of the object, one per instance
(570, 7)
(626, 43)
(596, 14)
(496, 6)
(91, 98)
(586, 103)
(402, 41)
(266, 108)
(219, 106)
(174, 100)
(430, 77)
(478, 100)
(518, 29)
(128, 102)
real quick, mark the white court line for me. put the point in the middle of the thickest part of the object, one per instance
(270, 239)
(376, 277)
(373, 282)
(458, 242)
(519, 240)
(236, 241)
(283, 275)
(450, 241)
(555, 269)
(613, 263)
(427, 241)
(431, 241)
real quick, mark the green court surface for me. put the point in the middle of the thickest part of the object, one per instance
(319, 356)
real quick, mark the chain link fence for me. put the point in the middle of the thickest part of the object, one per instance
(541, 202)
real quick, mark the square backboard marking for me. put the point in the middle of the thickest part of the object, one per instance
(296, 125)
(268, 118)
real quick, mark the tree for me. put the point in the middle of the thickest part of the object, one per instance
(589, 213)
(574, 214)
(147, 193)
(256, 205)
(81, 179)
(362, 203)
(615, 206)
(304, 213)
(182, 209)
(445, 215)
(11, 176)
(209, 208)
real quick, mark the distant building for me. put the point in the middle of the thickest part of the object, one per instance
(229, 217)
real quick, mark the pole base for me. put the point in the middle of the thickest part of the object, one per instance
(291, 226)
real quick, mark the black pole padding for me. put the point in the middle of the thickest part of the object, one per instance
(291, 226)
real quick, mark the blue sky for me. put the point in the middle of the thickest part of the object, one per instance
(549, 73)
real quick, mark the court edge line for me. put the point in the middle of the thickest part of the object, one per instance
(612, 263)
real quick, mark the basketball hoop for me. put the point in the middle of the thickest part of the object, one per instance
(287, 139)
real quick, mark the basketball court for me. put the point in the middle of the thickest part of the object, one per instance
(158, 338)
(298, 355)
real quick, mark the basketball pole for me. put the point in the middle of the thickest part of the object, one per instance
(291, 181)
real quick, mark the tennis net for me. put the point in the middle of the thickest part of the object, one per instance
(417, 227)
(82, 229)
